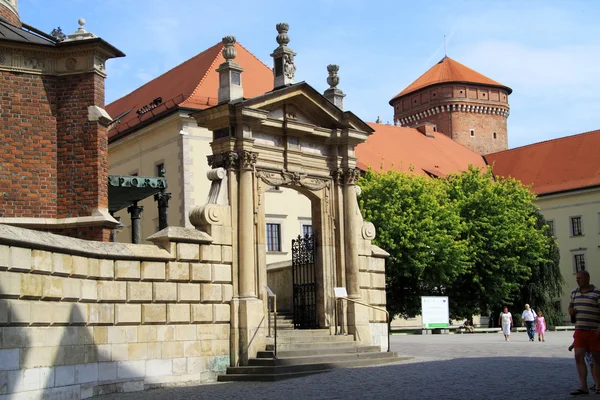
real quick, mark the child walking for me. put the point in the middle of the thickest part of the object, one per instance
(540, 326)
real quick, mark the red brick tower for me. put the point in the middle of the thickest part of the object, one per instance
(53, 136)
(465, 105)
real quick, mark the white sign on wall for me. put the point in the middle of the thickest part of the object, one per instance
(435, 313)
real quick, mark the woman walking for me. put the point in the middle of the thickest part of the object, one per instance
(506, 322)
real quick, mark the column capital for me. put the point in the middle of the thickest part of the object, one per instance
(351, 175)
(247, 159)
(162, 199)
(135, 211)
(227, 160)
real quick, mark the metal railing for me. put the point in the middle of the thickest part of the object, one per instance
(272, 302)
(387, 315)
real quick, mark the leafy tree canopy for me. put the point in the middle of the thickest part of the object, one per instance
(471, 237)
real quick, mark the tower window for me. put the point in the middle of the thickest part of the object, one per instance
(435, 128)
(472, 132)
(494, 135)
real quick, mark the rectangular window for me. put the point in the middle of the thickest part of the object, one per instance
(576, 226)
(307, 230)
(551, 227)
(273, 237)
(472, 132)
(579, 262)
(494, 135)
(159, 168)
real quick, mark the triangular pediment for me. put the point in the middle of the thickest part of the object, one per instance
(302, 104)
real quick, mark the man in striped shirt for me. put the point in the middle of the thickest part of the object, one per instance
(585, 306)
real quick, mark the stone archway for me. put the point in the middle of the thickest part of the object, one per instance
(296, 138)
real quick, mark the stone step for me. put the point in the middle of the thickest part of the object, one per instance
(294, 338)
(320, 351)
(316, 359)
(309, 345)
(272, 372)
(304, 332)
(265, 377)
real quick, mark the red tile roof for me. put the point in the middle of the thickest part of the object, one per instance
(557, 165)
(448, 70)
(192, 84)
(397, 148)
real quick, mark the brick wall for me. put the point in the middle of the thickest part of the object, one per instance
(28, 139)
(10, 16)
(484, 126)
(80, 319)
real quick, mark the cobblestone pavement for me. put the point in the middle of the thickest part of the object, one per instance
(445, 367)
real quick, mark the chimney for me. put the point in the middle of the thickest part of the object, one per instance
(426, 128)
(9, 10)
(333, 94)
(230, 74)
(283, 59)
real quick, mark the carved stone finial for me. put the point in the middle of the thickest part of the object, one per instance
(229, 52)
(283, 39)
(81, 32)
(333, 79)
(378, 121)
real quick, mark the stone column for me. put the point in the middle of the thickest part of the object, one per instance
(351, 214)
(247, 277)
(136, 222)
(163, 209)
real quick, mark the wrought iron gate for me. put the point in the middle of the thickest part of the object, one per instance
(304, 285)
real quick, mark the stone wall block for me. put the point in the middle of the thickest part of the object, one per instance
(41, 262)
(31, 286)
(147, 334)
(364, 280)
(61, 313)
(222, 273)
(178, 313)
(210, 253)
(81, 266)
(219, 347)
(89, 290)
(227, 254)
(159, 368)
(107, 371)
(210, 292)
(376, 264)
(10, 284)
(107, 269)
(139, 292)
(100, 334)
(154, 313)
(165, 333)
(188, 251)
(4, 256)
(201, 272)
(222, 234)
(128, 314)
(52, 287)
(153, 271)
(86, 373)
(71, 289)
(79, 314)
(101, 314)
(179, 365)
(138, 351)
(222, 313)
(103, 352)
(185, 332)
(227, 292)
(131, 369)
(20, 259)
(154, 350)
(40, 313)
(93, 268)
(178, 271)
(377, 281)
(112, 291)
(20, 312)
(172, 349)
(62, 264)
(202, 313)
(188, 292)
(127, 270)
(122, 334)
(64, 375)
(4, 310)
(164, 292)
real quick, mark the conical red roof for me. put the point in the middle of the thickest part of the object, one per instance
(448, 70)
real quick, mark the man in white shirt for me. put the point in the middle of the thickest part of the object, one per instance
(528, 317)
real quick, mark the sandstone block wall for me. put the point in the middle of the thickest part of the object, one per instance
(81, 318)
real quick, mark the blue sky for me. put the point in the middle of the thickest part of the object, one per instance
(547, 51)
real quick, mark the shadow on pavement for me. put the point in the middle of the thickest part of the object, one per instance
(460, 378)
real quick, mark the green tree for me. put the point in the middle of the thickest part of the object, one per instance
(505, 243)
(420, 228)
(544, 286)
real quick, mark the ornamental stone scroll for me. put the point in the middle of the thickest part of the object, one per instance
(293, 179)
